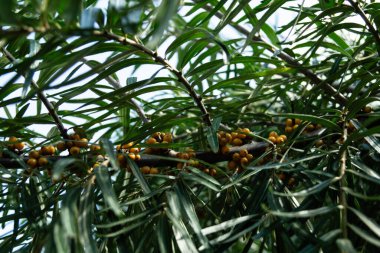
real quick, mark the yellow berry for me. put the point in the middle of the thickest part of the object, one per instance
(61, 146)
(151, 140)
(243, 153)
(168, 137)
(82, 143)
(280, 140)
(250, 157)
(297, 121)
(128, 145)
(319, 143)
(32, 162)
(289, 122)
(145, 169)
(213, 172)
(283, 136)
(273, 134)
(134, 150)
(34, 154)
(207, 171)
(237, 142)
(273, 139)
(288, 129)
(42, 161)
(19, 146)
(225, 150)
(236, 157)
(132, 156)
(95, 148)
(244, 161)
(153, 171)
(74, 150)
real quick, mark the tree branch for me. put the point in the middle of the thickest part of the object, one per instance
(257, 148)
(43, 99)
(181, 78)
(328, 88)
(371, 28)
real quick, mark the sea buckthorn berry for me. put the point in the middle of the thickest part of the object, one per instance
(281, 176)
(289, 122)
(74, 150)
(243, 153)
(19, 146)
(291, 182)
(168, 137)
(310, 127)
(318, 126)
(76, 137)
(234, 135)
(42, 161)
(120, 158)
(236, 157)
(223, 141)
(207, 171)
(244, 161)
(61, 146)
(288, 129)
(151, 140)
(82, 143)
(69, 144)
(138, 157)
(95, 148)
(44, 150)
(118, 147)
(132, 156)
(319, 143)
(145, 169)
(367, 109)
(280, 140)
(185, 156)
(237, 142)
(232, 165)
(250, 157)
(241, 136)
(246, 130)
(180, 166)
(34, 154)
(134, 150)
(32, 162)
(213, 172)
(153, 171)
(273, 134)
(295, 126)
(228, 137)
(283, 136)
(225, 150)
(273, 139)
(12, 139)
(128, 145)
(50, 150)
(297, 121)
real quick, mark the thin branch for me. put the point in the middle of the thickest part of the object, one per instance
(116, 85)
(181, 78)
(328, 88)
(43, 99)
(343, 184)
(256, 148)
(371, 28)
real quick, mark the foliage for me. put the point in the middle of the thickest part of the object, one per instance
(200, 67)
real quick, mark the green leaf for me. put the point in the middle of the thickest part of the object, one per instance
(104, 182)
(345, 245)
(139, 176)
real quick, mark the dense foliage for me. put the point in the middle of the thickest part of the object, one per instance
(189, 126)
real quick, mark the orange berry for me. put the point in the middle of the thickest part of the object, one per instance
(243, 153)
(289, 122)
(223, 141)
(44, 150)
(12, 139)
(76, 137)
(168, 137)
(310, 127)
(145, 169)
(295, 126)
(283, 136)
(273, 139)
(180, 166)
(244, 161)
(367, 109)
(120, 158)
(250, 157)
(297, 122)
(225, 150)
(118, 147)
(74, 150)
(132, 156)
(128, 145)
(319, 143)
(288, 129)
(280, 140)
(32, 162)
(232, 165)
(246, 130)
(207, 171)
(228, 137)
(138, 157)
(185, 156)
(241, 136)
(234, 135)
(82, 143)
(273, 134)
(69, 144)
(61, 146)
(19, 146)
(236, 157)
(42, 161)
(50, 150)
(237, 142)
(95, 147)
(153, 171)
(151, 140)
(34, 154)
(213, 172)
(134, 150)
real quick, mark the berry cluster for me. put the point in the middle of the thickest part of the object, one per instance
(236, 138)
(277, 139)
(40, 158)
(149, 170)
(291, 125)
(131, 150)
(158, 138)
(240, 160)
(190, 156)
(14, 144)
